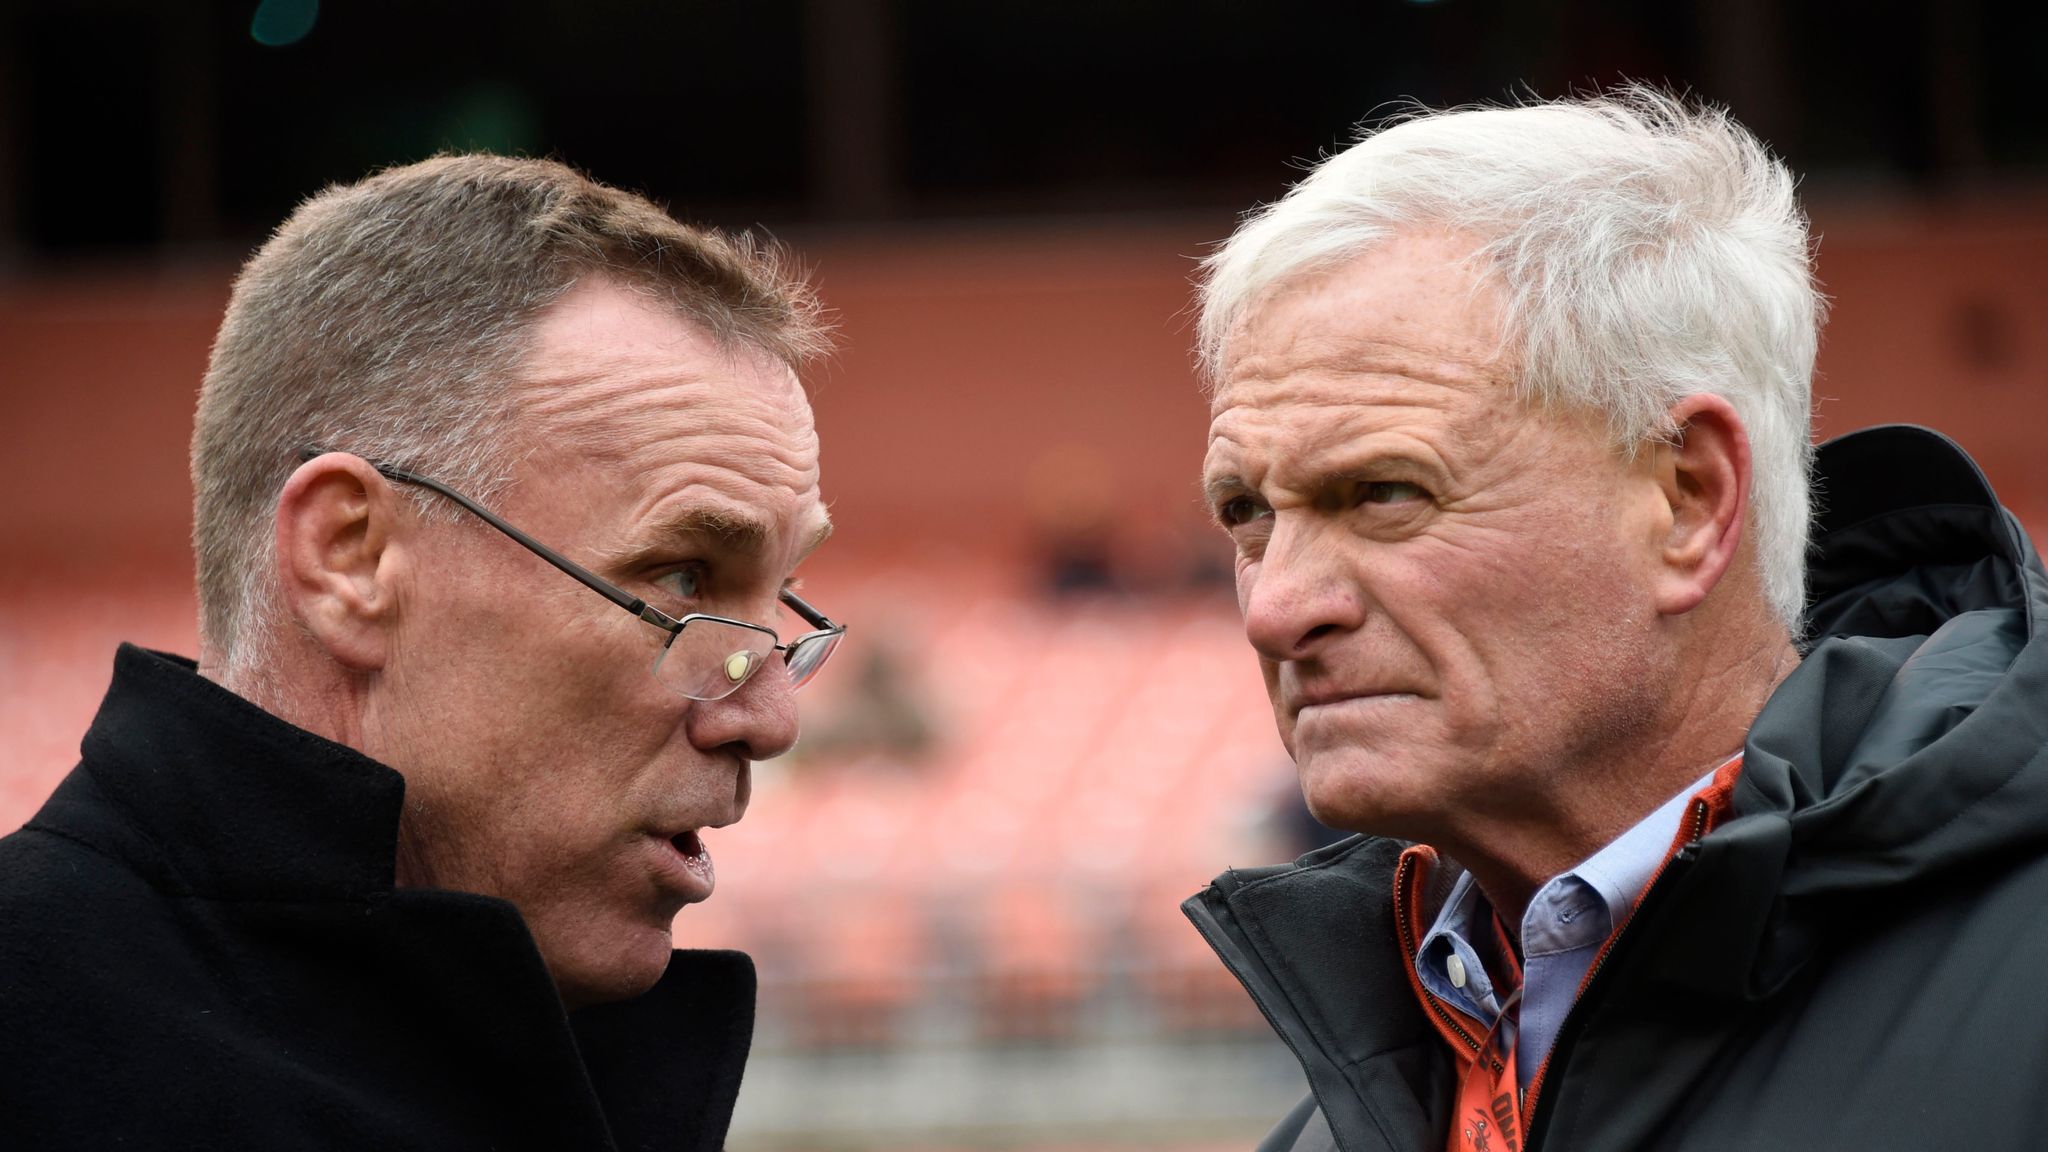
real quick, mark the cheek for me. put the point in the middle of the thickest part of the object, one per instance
(1445, 599)
(1483, 629)
(1557, 632)
(544, 719)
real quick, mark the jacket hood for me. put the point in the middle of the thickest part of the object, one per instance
(1911, 745)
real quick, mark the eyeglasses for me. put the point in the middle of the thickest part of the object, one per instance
(704, 657)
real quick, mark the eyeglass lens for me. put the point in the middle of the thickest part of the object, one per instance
(808, 655)
(710, 659)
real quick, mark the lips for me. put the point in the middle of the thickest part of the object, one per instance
(687, 865)
(1315, 699)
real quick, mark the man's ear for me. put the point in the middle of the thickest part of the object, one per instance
(1703, 473)
(335, 560)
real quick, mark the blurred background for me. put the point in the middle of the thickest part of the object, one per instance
(1045, 729)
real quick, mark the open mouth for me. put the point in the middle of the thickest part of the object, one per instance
(695, 860)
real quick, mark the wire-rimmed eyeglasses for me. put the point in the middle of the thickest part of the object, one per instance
(704, 657)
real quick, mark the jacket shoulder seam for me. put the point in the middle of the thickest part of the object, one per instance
(2018, 770)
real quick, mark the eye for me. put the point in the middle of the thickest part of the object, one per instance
(1390, 492)
(1240, 510)
(685, 583)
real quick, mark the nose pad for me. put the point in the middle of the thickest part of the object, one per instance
(741, 665)
(755, 714)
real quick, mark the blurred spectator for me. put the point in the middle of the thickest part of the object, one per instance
(880, 711)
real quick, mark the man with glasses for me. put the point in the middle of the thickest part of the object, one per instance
(394, 864)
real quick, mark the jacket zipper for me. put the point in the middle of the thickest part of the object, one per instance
(1407, 934)
(1697, 829)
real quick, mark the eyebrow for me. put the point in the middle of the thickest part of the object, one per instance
(1220, 488)
(819, 535)
(733, 529)
(1217, 490)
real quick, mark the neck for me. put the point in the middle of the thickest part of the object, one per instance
(1611, 790)
(300, 687)
(304, 689)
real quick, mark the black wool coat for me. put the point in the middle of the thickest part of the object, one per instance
(201, 947)
(1851, 959)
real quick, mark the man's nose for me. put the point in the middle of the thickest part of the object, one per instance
(759, 720)
(1300, 594)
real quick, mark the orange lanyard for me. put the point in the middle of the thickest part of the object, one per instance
(1489, 1116)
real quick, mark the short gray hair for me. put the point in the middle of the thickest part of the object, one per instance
(387, 318)
(1648, 249)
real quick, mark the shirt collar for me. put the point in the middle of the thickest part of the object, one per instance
(1576, 909)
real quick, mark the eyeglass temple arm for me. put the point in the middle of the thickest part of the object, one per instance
(584, 576)
(810, 615)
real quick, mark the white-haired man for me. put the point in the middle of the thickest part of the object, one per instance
(501, 476)
(1695, 820)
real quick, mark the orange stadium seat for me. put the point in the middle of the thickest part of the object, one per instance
(1037, 964)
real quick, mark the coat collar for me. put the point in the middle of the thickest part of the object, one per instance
(1904, 748)
(206, 795)
(224, 799)
(1317, 946)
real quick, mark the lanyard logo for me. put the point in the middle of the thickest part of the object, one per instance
(1489, 1100)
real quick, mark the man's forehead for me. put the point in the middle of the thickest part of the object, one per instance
(1336, 417)
(1409, 305)
(601, 405)
(1397, 351)
(665, 438)
(601, 320)
(606, 357)
(1344, 399)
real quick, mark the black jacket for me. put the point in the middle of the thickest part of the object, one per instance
(1853, 959)
(200, 947)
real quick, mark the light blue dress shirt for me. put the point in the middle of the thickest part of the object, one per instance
(1567, 922)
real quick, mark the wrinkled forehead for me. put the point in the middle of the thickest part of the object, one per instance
(1394, 357)
(1417, 301)
(621, 395)
(607, 362)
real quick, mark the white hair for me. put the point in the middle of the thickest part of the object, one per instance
(1647, 250)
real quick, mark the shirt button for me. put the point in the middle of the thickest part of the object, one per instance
(1455, 969)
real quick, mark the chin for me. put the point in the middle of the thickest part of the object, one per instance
(1359, 791)
(620, 974)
